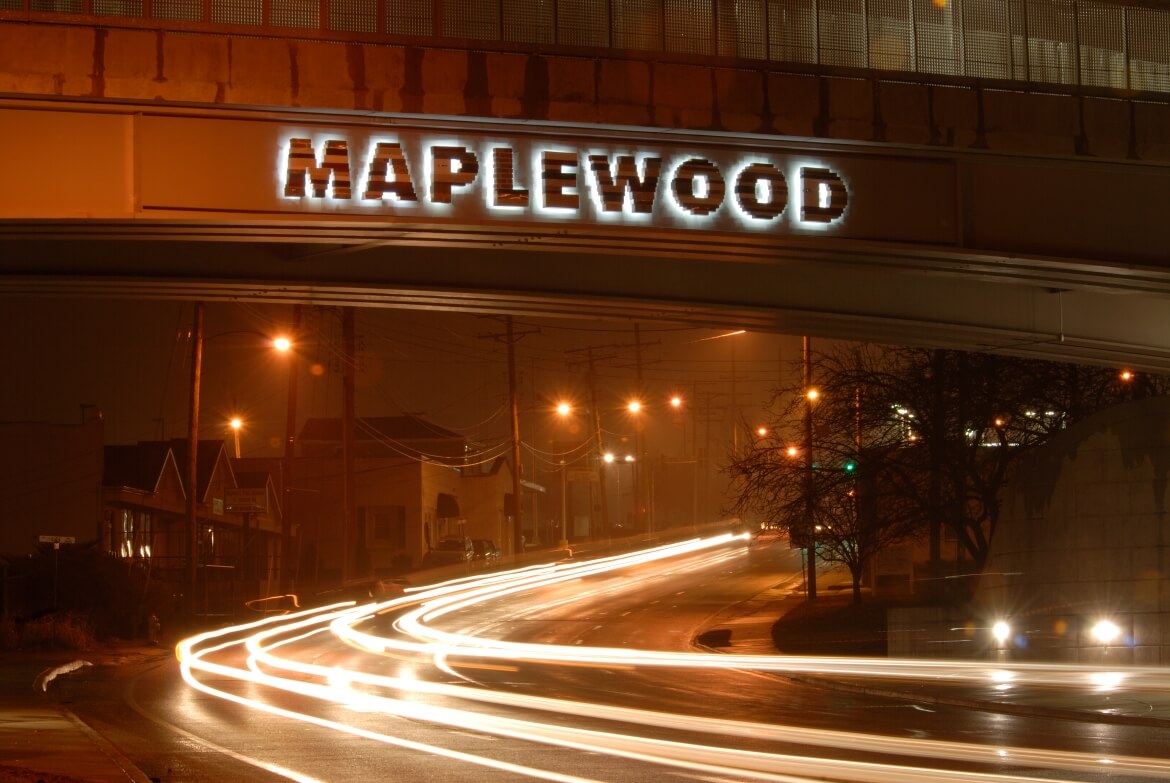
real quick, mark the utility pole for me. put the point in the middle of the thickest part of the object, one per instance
(515, 404)
(806, 374)
(592, 360)
(600, 445)
(193, 457)
(511, 336)
(349, 360)
(640, 519)
(290, 434)
(639, 421)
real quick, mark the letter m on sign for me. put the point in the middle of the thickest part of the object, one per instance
(308, 177)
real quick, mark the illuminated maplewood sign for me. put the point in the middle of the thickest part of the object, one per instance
(502, 180)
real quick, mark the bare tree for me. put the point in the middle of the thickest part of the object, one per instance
(825, 490)
(911, 439)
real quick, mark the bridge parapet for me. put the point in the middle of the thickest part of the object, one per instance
(1086, 78)
(1087, 43)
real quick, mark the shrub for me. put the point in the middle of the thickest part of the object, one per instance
(109, 596)
(63, 631)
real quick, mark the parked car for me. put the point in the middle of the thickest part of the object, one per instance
(362, 590)
(449, 551)
(485, 549)
(389, 587)
(274, 604)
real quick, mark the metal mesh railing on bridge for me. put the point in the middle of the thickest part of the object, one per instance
(1063, 42)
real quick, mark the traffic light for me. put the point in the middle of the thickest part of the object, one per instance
(849, 466)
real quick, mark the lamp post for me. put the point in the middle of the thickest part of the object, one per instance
(281, 344)
(285, 345)
(235, 424)
(564, 505)
(564, 409)
(192, 456)
(810, 398)
(635, 409)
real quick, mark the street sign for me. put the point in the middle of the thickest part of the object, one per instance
(57, 540)
(246, 500)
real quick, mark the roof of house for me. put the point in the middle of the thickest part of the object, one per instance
(252, 479)
(139, 466)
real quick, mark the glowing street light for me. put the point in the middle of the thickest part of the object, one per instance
(635, 409)
(564, 409)
(1001, 631)
(676, 402)
(1106, 632)
(282, 345)
(235, 424)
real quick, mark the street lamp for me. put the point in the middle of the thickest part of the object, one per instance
(1105, 632)
(564, 505)
(811, 395)
(563, 410)
(235, 424)
(192, 484)
(635, 409)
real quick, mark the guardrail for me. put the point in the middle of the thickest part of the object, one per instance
(1085, 43)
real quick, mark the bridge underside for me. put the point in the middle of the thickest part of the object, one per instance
(1016, 306)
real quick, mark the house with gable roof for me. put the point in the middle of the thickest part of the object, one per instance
(144, 504)
(413, 486)
(145, 519)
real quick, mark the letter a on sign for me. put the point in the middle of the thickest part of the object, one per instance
(389, 174)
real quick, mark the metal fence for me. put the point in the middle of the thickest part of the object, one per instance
(1063, 42)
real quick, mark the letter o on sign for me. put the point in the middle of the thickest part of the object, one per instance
(747, 191)
(701, 200)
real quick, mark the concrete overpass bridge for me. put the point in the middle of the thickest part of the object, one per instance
(980, 174)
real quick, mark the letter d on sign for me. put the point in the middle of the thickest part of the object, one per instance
(823, 196)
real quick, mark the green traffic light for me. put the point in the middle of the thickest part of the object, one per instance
(850, 466)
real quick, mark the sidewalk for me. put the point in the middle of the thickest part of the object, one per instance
(41, 740)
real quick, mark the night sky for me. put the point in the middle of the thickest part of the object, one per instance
(131, 358)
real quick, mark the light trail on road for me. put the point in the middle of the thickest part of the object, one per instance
(263, 653)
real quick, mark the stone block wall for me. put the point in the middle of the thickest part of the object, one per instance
(1085, 536)
(220, 69)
